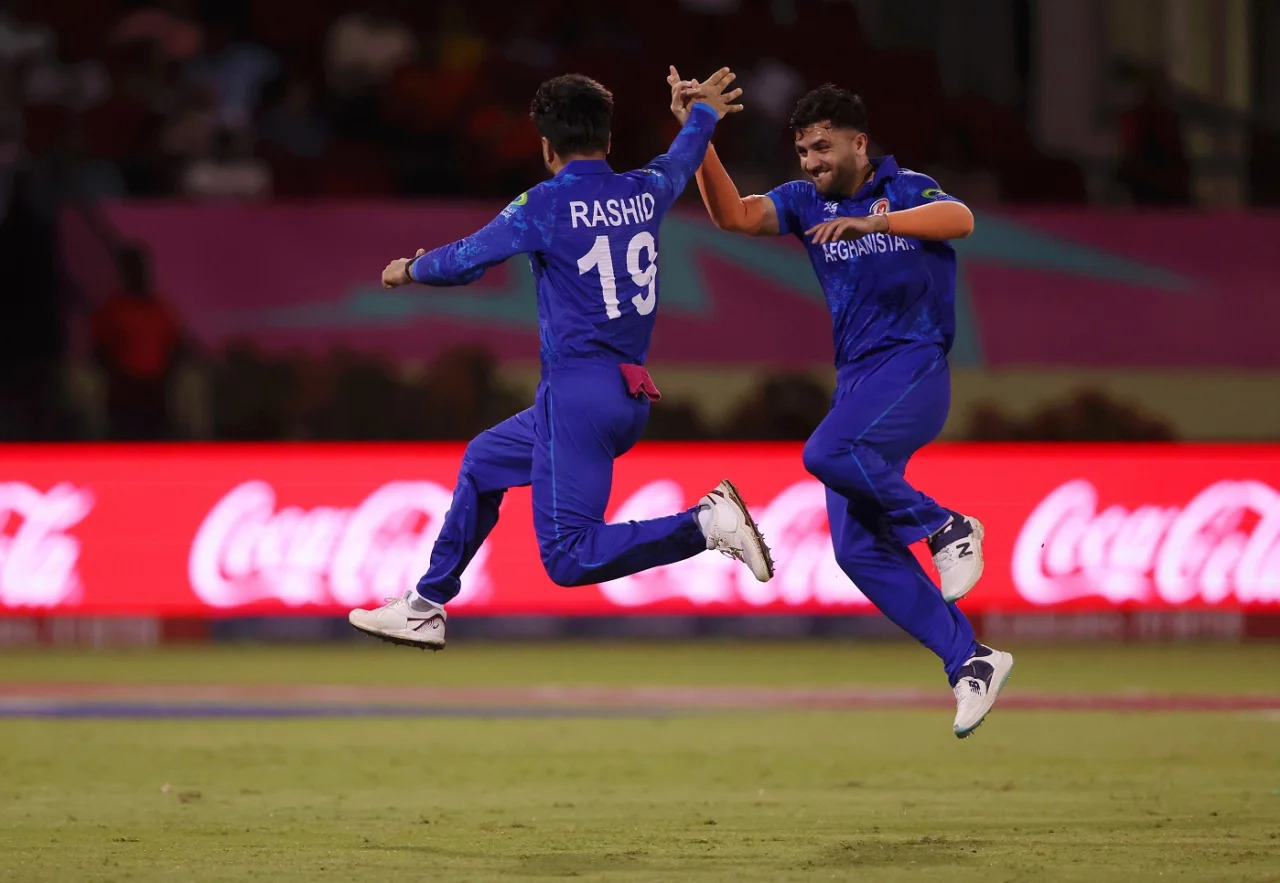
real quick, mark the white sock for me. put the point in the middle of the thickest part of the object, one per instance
(704, 518)
(420, 604)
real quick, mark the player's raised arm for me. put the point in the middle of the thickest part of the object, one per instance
(754, 215)
(698, 116)
(519, 229)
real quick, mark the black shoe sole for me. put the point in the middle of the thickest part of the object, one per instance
(402, 642)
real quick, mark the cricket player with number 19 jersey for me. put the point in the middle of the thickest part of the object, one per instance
(877, 237)
(591, 235)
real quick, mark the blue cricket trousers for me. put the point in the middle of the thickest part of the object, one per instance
(581, 421)
(886, 407)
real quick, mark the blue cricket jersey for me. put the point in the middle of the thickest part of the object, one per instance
(883, 290)
(592, 239)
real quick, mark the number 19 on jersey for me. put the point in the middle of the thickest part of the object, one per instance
(601, 258)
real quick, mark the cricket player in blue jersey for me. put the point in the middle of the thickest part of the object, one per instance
(592, 239)
(877, 237)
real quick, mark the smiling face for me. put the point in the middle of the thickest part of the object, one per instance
(833, 158)
(830, 126)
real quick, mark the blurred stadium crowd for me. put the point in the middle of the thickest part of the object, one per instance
(254, 100)
(336, 98)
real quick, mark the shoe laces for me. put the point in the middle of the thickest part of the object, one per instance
(944, 559)
(728, 551)
(718, 538)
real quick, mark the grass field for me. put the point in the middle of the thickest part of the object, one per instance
(519, 784)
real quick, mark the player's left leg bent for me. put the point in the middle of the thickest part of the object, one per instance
(583, 422)
(880, 418)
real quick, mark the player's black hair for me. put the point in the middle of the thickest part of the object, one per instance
(573, 113)
(829, 103)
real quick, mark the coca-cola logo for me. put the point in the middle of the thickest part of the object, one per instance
(795, 524)
(247, 550)
(1223, 544)
(39, 560)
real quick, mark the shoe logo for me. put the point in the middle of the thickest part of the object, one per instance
(975, 686)
(965, 550)
(434, 621)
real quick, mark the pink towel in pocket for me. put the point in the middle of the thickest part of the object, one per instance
(639, 383)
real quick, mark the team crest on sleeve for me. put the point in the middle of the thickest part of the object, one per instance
(880, 206)
(932, 193)
(515, 204)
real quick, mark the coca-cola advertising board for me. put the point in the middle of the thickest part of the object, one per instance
(232, 530)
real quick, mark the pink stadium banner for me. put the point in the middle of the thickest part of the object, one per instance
(1070, 288)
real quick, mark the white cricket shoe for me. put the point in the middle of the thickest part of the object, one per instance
(729, 528)
(409, 620)
(957, 553)
(981, 679)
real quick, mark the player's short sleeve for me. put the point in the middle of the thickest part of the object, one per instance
(787, 199)
(916, 189)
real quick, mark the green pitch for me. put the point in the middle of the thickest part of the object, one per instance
(765, 794)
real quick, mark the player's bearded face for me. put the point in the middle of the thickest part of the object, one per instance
(833, 159)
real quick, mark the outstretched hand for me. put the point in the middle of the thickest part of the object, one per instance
(397, 272)
(710, 91)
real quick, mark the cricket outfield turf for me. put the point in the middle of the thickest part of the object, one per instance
(702, 762)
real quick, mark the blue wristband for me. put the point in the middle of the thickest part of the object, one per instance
(707, 107)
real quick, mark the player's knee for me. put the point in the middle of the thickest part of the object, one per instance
(563, 569)
(472, 454)
(817, 457)
(837, 465)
